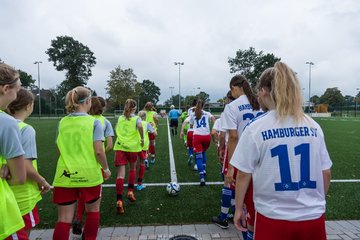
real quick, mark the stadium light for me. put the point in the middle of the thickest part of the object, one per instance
(179, 63)
(38, 64)
(310, 63)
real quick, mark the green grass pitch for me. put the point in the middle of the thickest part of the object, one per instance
(197, 204)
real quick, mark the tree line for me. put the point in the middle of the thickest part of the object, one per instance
(77, 60)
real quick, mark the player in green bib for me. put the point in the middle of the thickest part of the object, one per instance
(29, 194)
(11, 158)
(98, 105)
(129, 142)
(78, 172)
(152, 118)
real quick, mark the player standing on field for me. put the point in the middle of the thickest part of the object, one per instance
(79, 140)
(144, 163)
(199, 119)
(29, 194)
(236, 115)
(284, 152)
(152, 118)
(11, 158)
(128, 144)
(98, 105)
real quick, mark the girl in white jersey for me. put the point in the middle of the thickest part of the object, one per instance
(29, 194)
(199, 119)
(237, 115)
(285, 154)
(11, 158)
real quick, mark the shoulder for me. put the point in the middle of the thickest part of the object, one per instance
(8, 121)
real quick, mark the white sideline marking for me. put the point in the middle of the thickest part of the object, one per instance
(171, 156)
(213, 183)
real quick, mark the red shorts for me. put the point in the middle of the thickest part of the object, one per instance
(142, 155)
(189, 136)
(273, 229)
(151, 136)
(31, 219)
(123, 158)
(19, 235)
(68, 195)
(249, 203)
(201, 143)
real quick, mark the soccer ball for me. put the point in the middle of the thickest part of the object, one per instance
(173, 188)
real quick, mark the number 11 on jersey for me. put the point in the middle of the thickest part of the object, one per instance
(286, 184)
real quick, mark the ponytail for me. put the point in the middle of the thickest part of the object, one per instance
(130, 105)
(198, 109)
(241, 81)
(285, 90)
(75, 97)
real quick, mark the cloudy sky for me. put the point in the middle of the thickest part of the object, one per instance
(149, 36)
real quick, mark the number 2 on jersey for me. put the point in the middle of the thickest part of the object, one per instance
(286, 184)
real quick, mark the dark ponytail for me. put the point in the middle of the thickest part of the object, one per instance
(130, 105)
(241, 81)
(198, 109)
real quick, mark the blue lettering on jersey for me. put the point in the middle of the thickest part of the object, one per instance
(244, 107)
(288, 132)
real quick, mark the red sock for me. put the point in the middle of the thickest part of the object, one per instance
(80, 208)
(62, 231)
(141, 173)
(91, 225)
(119, 186)
(131, 180)
(152, 149)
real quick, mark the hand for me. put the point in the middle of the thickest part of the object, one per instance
(4, 172)
(229, 177)
(44, 187)
(181, 135)
(106, 174)
(142, 142)
(240, 220)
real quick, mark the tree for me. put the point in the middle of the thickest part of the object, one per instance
(315, 99)
(333, 97)
(203, 96)
(349, 100)
(26, 79)
(149, 93)
(122, 85)
(75, 58)
(251, 63)
(174, 100)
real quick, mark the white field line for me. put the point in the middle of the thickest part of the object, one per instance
(215, 183)
(171, 156)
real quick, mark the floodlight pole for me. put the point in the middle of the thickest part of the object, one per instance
(179, 63)
(310, 63)
(38, 65)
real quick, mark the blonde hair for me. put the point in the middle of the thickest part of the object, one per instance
(142, 115)
(8, 75)
(130, 105)
(149, 106)
(285, 90)
(75, 97)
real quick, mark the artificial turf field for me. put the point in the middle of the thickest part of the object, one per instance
(197, 204)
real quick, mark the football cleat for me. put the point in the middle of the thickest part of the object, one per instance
(120, 207)
(131, 196)
(223, 224)
(202, 182)
(195, 167)
(152, 161)
(140, 187)
(76, 227)
(146, 164)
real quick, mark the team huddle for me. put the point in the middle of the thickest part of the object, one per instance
(275, 165)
